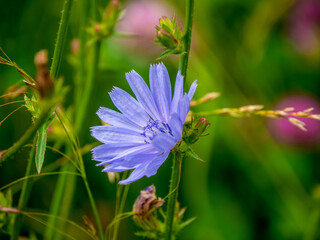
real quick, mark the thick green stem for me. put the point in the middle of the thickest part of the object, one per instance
(25, 192)
(57, 55)
(173, 191)
(66, 184)
(184, 58)
(62, 33)
(177, 160)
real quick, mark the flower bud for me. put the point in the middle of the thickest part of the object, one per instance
(167, 39)
(170, 36)
(194, 133)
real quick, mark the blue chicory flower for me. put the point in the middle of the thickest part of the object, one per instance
(142, 135)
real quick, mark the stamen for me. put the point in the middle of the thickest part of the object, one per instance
(153, 127)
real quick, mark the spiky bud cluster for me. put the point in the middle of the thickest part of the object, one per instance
(170, 36)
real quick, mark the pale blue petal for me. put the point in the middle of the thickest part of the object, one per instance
(192, 90)
(176, 126)
(143, 94)
(134, 176)
(156, 163)
(159, 89)
(165, 84)
(163, 142)
(117, 168)
(112, 134)
(133, 161)
(140, 149)
(129, 106)
(104, 151)
(178, 92)
(130, 162)
(183, 107)
(116, 119)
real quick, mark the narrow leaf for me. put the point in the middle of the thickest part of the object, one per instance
(41, 143)
(184, 224)
(192, 154)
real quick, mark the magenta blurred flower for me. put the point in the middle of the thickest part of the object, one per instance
(304, 26)
(284, 131)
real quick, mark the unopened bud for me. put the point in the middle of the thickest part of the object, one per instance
(167, 39)
(197, 131)
(170, 36)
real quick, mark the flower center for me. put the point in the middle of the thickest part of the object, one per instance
(153, 127)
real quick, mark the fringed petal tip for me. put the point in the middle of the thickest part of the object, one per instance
(192, 90)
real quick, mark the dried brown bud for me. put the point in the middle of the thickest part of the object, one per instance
(44, 83)
(147, 202)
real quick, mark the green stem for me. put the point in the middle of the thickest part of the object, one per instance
(81, 77)
(27, 136)
(62, 32)
(81, 113)
(120, 204)
(173, 195)
(187, 41)
(93, 205)
(25, 192)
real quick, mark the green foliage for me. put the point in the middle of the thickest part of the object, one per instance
(42, 143)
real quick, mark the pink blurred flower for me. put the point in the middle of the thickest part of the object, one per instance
(284, 131)
(304, 26)
(140, 19)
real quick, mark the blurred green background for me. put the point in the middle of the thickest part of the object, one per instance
(255, 184)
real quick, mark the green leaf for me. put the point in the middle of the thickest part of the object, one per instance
(184, 224)
(192, 154)
(41, 143)
(165, 54)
